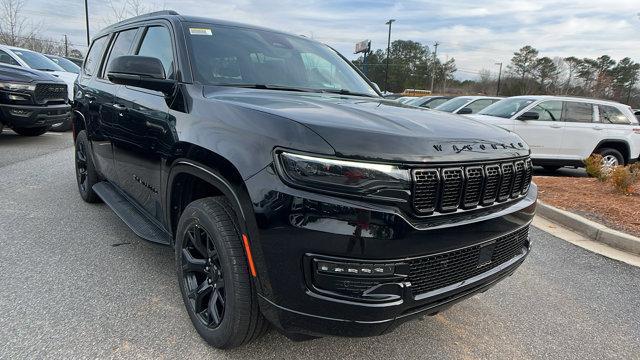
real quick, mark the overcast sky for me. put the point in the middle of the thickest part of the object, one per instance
(477, 33)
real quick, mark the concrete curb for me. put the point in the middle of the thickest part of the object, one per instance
(590, 229)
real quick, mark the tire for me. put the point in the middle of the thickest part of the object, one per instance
(210, 259)
(86, 174)
(34, 131)
(61, 127)
(611, 157)
(551, 168)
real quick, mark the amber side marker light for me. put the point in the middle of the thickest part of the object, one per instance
(247, 249)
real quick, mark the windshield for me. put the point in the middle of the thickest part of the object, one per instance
(453, 104)
(37, 61)
(506, 108)
(231, 56)
(67, 65)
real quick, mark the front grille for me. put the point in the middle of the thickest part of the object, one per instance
(47, 93)
(440, 270)
(448, 189)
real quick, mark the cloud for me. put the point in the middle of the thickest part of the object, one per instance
(477, 34)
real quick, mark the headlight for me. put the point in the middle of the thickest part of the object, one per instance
(359, 178)
(16, 86)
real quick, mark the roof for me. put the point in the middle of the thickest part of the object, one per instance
(568, 98)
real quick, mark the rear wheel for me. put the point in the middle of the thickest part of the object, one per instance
(34, 131)
(86, 174)
(611, 157)
(213, 274)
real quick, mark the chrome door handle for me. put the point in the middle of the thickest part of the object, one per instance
(598, 128)
(555, 126)
(119, 107)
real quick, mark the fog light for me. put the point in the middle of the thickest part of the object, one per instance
(355, 269)
(17, 97)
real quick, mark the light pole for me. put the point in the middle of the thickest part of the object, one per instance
(86, 18)
(499, 75)
(433, 68)
(386, 73)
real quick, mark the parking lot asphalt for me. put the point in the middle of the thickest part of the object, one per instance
(77, 283)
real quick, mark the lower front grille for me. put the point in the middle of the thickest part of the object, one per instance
(440, 270)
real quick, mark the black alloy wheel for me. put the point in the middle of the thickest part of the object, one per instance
(203, 276)
(86, 174)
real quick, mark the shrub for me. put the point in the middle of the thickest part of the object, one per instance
(623, 178)
(593, 165)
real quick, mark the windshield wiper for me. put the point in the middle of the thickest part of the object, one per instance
(268, 87)
(346, 92)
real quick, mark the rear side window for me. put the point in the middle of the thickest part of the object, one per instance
(611, 115)
(7, 59)
(157, 44)
(93, 57)
(548, 110)
(577, 112)
(121, 46)
(434, 103)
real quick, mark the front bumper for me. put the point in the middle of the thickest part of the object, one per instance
(294, 224)
(29, 116)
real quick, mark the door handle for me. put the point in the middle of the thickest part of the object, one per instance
(91, 98)
(598, 127)
(555, 126)
(119, 107)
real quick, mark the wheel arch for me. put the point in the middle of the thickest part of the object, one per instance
(620, 145)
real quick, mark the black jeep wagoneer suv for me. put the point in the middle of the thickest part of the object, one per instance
(292, 192)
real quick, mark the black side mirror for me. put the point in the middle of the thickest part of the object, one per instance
(140, 71)
(529, 115)
(465, 111)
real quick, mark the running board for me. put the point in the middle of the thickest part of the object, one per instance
(139, 222)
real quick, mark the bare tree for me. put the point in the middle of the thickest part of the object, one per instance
(120, 10)
(14, 28)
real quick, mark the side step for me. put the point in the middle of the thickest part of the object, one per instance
(140, 223)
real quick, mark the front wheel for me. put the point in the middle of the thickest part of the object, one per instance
(86, 174)
(213, 274)
(34, 131)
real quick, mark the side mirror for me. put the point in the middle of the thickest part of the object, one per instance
(465, 111)
(140, 71)
(529, 115)
(376, 87)
(636, 113)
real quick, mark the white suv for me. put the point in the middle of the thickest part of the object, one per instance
(563, 131)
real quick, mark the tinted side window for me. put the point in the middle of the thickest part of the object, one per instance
(7, 59)
(435, 103)
(121, 46)
(157, 44)
(611, 115)
(479, 105)
(92, 60)
(577, 112)
(548, 110)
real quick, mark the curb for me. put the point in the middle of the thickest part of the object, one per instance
(590, 229)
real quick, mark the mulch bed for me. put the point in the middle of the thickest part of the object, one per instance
(592, 199)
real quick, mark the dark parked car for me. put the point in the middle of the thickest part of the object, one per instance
(291, 191)
(429, 102)
(31, 101)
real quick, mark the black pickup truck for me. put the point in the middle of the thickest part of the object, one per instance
(31, 101)
(292, 192)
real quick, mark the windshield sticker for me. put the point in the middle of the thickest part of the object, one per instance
(200, 31)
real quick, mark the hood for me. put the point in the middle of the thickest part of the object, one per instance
(24, 75)
(381, 130)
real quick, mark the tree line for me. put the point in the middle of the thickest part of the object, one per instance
(411, 66)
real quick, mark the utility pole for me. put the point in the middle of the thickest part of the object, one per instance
(445, 73)
(66, 46)
(433, 67)
(499, 75)
(86, 18)
(386, 73)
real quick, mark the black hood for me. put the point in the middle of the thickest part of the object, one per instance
(25, 75)
(378, 129)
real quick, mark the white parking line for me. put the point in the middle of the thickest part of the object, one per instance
(563, 233)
